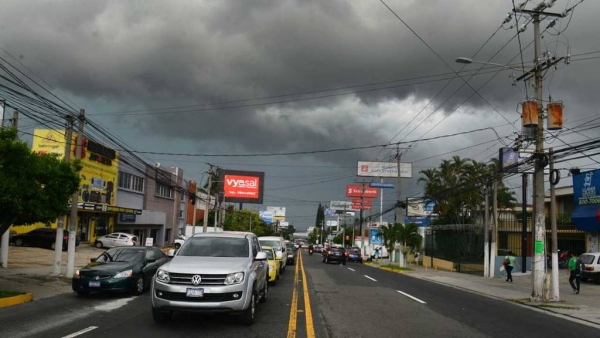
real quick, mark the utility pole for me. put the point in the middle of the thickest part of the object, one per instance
(58, 243)
(538, 266)
(486, 234)
(363, 247)
(207, 202)
(493, 246)
(6, 235)
(74, 202)
(554, 292)
(524, 225)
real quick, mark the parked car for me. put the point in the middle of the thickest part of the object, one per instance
(291, 253)
(179, 241)
(273, 264)
(336, 255)
(591, 262)
(123, 269)
(116, 239)
(278, 244)
(354, 255)
(42, 238)
(213, 272)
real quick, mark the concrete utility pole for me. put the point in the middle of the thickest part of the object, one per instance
(398, 157)
(555, 293)
(74, 201)
(538, 266)
(6, 235)
(58, 244)
(493, 246)
(486, 235)
(207, 202)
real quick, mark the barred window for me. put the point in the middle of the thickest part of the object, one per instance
(164, 191)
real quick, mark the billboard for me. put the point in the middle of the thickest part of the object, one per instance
(278, 213)
(266, 216)
(375, 237)
(340, 205)
(356, 190)
(242, 186)
(99, 170)
(584, 188)
(384, 169)
(509, 159)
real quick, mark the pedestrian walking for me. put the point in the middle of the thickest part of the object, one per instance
(574, 272)
(509, 264)
(377, 253)
(416, 258)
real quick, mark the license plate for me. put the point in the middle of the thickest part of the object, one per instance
(94, 284)
(194, 292)
(338, 254)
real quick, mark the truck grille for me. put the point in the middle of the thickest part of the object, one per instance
(186, 279)
(207, 298)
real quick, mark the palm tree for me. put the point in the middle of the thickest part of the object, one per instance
(408, 236)
(390, 238)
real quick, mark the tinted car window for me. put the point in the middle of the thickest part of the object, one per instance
(215, 247)
(121, 255)
(274, 244)
(158, 253)
(587, 259)
(150, 254)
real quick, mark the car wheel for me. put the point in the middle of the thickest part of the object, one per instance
(139, 286)
(344, 263)
(263, 299)
(177, 246)
(247, 318)
(18, 242)
(52, 246)
(161, 316)
(83, 293)
(98, 244)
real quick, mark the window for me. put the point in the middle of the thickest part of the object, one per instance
(180, 213)
(168, 235)
(164, 191)
(131, 182)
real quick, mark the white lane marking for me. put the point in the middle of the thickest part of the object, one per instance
(80, 332)
(411, 297)
(113, 305)
(351, 269)
(373, 279)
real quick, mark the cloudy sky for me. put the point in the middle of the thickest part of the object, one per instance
(278, 77)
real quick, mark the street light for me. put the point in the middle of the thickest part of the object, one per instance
(466, 61)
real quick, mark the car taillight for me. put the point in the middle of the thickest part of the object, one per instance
(589, 268)
(65, 238)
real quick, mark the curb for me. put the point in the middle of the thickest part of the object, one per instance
(15, 300)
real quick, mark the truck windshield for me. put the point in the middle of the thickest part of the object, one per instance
(215, 247)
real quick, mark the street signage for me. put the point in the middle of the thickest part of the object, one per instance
(364, 201)
(384, 169)
(356, 190)
(382, 185)
(340, 205)
(359, 207)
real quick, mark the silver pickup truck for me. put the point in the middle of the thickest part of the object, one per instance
(223, 272)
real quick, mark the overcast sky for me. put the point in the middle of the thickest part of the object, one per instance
(251, 77)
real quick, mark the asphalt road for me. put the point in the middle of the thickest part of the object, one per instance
(311, 299)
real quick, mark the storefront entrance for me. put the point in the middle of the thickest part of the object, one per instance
(83, 228)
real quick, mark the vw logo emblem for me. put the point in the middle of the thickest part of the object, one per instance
(196, 279)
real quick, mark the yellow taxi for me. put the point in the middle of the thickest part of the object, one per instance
(273, 262)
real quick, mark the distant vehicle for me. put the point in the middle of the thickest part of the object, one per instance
(42, 238)
(291, 253)
(224, 272)
(336, 255)
(591, 262)
(319, 248)
(354, 255)
(116, 239)
(179, 241)
(123, 269)
(277, 243)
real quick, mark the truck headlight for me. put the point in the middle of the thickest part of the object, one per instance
(163, 276)
(124, 274)
(234, 278)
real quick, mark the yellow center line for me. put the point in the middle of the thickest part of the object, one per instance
(294, 307)
(310, 329)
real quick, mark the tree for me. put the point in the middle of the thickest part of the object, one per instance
(389, 236)
(33, 187)
(408, 236)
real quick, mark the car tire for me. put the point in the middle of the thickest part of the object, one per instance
(265, 295)
(161, 316)
(98, 245)
(18, 242)
(344, 263)
(177, 246)
(247, 317)
(139, 286)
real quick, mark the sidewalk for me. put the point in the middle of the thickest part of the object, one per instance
(30, 270)
(585, 306)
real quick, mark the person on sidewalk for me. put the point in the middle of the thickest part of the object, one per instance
(574, 272)
(509, 264)
(417, 258)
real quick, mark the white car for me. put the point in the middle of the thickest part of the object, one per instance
(277, 243)
(591, 262)
(179, 241)
(116, 239)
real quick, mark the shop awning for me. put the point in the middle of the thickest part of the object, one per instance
(587, 217)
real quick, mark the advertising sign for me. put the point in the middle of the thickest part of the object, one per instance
(359, 207)
(278, 213)
(375, 237)
(266, 216)
(415, 207)
(356, 190)
(382, 185)
(100, 165)
(584, 188)
(242, 186)
(509, 158)
(340, 205)
(384, 169)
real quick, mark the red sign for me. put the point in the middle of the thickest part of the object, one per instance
(363, 207)
(356, 190)
(242, 186)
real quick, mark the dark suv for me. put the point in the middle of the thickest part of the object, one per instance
(338, 255)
